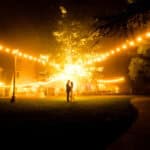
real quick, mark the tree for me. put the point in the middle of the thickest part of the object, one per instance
(139, 69)
(75, 39)
(75, 36)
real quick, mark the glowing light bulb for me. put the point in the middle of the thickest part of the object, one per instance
(139, 39)
(148, 34)
(118, 49)
(1, 47)
(131, 43)
(7, 50)
(112, 52)
(30, 57)
(15, 51)
(25, 55)
(124, 46)
(108, 54)
(20, 54)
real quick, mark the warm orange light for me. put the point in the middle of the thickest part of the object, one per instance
(1, 47)
(124, 46)
(7, 50)
(15, 51)
(131, 43)
(43, 62)
(118, 49)
(2, 84)
(107, 54)
(89, 61)
(39, 60)
(20, 54)
(121, 79)
(112, 52)
(25, 55)
(44, 57)
(77, 69)
(116, 89)
(139, 39)
(99, 59)
(30, 57)
(63, 10)
(35, 59)
(148, 34)
(103, 57)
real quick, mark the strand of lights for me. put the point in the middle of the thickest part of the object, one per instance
(18, 53)
(130, 43)
(31, 84)
(117, 80)
(2, 84)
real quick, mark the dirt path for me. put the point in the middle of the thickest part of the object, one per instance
(138, 136)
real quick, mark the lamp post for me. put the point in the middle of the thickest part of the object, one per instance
(14, 80)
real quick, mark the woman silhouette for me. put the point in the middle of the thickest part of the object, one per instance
(71, 91)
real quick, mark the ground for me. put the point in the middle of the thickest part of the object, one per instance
(138, 135)
(90, 121)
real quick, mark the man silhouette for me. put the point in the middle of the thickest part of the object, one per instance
(68, 89)
(71, 91)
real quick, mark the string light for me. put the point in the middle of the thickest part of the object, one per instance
(118, 49)
(1, 47)
(96, 58)
(112, 52)
(22, 55)
(131, 43)
(91, 59)
(35, 59)
(7, 50)
(25, 55)
(148, 34)
(15, 51)
(30, 57)
(39, 60)
(121, 79)
(139, 39)
(124, 46)
(107, 54)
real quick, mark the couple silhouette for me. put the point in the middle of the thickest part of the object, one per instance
(69, 91)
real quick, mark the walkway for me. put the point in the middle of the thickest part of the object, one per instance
(138, 136)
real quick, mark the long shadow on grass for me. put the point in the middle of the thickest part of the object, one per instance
(94, 124)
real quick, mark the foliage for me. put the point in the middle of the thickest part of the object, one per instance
(139, 68)
(75, 35)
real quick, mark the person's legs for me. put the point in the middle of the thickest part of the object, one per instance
(67, 96)
(71, 96)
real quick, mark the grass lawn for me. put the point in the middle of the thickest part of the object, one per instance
(90, 120)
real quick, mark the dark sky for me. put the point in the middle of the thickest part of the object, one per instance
(28, 24)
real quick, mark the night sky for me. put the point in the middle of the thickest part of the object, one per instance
(28, 24)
